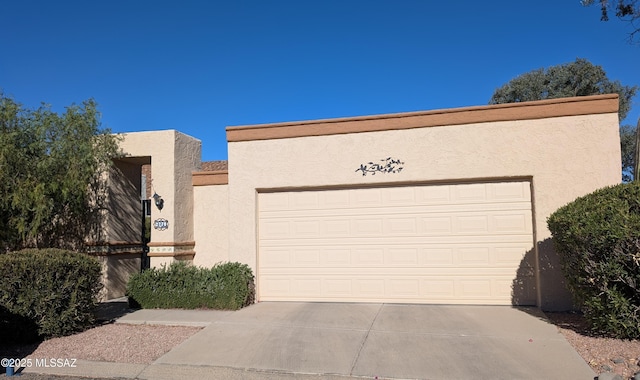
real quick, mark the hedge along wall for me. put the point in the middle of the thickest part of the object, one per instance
(598, 239)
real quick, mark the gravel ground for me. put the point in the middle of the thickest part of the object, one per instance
(603, 354)
(123, 343)
(37, 376)
(118, 343)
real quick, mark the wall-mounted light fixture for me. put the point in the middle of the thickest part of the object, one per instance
(157, 199)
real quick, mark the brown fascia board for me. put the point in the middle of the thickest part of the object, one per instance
(541, 109)
(218, 177)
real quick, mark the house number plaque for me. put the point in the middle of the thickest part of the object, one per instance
(161, 224)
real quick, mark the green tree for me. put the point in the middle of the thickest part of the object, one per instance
(579, 78)
(626, 10)
(51, 183)
(628, 150)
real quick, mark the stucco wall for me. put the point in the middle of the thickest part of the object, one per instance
(123, 222)
(159, 145)
(211, 224)
(116, 271)
(565, 157)
(174, 156)
(187, 158)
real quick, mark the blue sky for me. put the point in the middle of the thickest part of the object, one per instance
(200, 66)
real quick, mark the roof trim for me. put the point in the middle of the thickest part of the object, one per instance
(218, 177)
(541, 109)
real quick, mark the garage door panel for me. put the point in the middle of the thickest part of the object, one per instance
(510, 223)
(475, 288)
(402, 256)
(436, 225)
(336, 257)
(367, 257)
(338, 287)
(484, 194)
(471, 224)
(305, 228)
(413, 289)
(470, 193)
(399, 196)
(435, 241)
(437, 195)
(330, 211)
(399, 272)
(441, 243)
(365, 198)
(335, 199)
(436, 256)
(275, 257)
(510, 256)
(275, 287)
(473, 256)
(404, 287)
(306, 257)
(274, 229)
(274, 202)
(308, 285)
(304, 200)
(402, 226)
(390, 255)
(337, 227)
(439, 288)
(506, 191)
(367, 227)
(397, 224)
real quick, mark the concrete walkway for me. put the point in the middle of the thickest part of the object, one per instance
(338, 341)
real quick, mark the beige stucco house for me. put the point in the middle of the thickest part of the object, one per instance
(442, 207)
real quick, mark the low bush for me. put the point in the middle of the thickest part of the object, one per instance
(598, 240)
(51, 289)
(227, 286)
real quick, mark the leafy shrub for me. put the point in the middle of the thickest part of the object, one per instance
(227, 286)
(598, 239)
(54, 289)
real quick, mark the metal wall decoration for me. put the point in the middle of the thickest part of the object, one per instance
(386, 165)
(161, 224)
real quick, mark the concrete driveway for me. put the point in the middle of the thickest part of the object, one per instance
(384, 340)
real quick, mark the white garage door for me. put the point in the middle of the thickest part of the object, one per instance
(457, 243)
